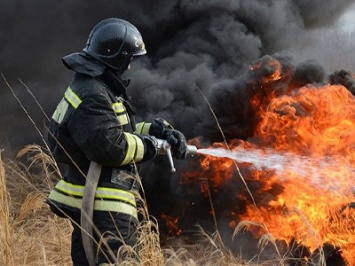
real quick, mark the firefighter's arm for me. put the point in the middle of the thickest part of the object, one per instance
(97, 131)
(161, 129)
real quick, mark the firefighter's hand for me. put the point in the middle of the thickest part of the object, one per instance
(158, 127)
(177, 141)
(150, 147)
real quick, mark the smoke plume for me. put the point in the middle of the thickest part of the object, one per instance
(193, 47)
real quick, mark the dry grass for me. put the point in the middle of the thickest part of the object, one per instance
(31, 235)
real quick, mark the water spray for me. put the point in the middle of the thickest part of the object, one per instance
(264, 159)
(284, 163)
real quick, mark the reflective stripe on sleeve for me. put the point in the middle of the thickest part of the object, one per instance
(135, 149)
(72, 98)
(143, 128)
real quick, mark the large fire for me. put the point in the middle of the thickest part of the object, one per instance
(311, 201)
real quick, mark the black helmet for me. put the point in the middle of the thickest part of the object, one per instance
(114, 42)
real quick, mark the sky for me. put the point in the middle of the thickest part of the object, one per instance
(347, 20)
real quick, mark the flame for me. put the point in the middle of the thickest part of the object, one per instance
(317, 122)
(313, 201)
(270, 67)
(172, 224)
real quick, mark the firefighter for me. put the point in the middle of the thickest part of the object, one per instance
(94, 121)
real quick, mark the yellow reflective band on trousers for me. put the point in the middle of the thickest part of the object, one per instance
(106, 199)
(135, 149)
(72, 98)
(121, 113)
(142, 128)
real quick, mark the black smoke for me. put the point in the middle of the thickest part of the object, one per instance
(191, 44)
(199, 53)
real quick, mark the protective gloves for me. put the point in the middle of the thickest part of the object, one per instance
(150, 147)
(158, 127)
(161, 129)
(177, 141)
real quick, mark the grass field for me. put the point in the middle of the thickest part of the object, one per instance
(31, 235)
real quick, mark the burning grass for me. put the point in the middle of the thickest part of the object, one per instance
(300, 171)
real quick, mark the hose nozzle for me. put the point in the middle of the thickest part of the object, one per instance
(165, 148)
(191, 149)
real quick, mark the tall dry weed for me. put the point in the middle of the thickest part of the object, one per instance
(31, 235)
(6, 239)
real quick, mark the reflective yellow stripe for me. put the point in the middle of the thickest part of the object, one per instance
(139, 127)
(122, 119)
(135, 149)
(142, 128)
(101, 192)
(113, 193)
(118, 107)
(60, 111)
(99, 205)
(131, 143)
(72, 98)
(140, 149)
(121, 113)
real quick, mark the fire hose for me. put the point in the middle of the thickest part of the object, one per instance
(92, 180)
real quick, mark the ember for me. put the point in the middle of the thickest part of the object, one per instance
(172, 224)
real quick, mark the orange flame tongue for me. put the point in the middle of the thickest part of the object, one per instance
(317, 122)
(317, 126)
(270, 67)
(172, 224)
